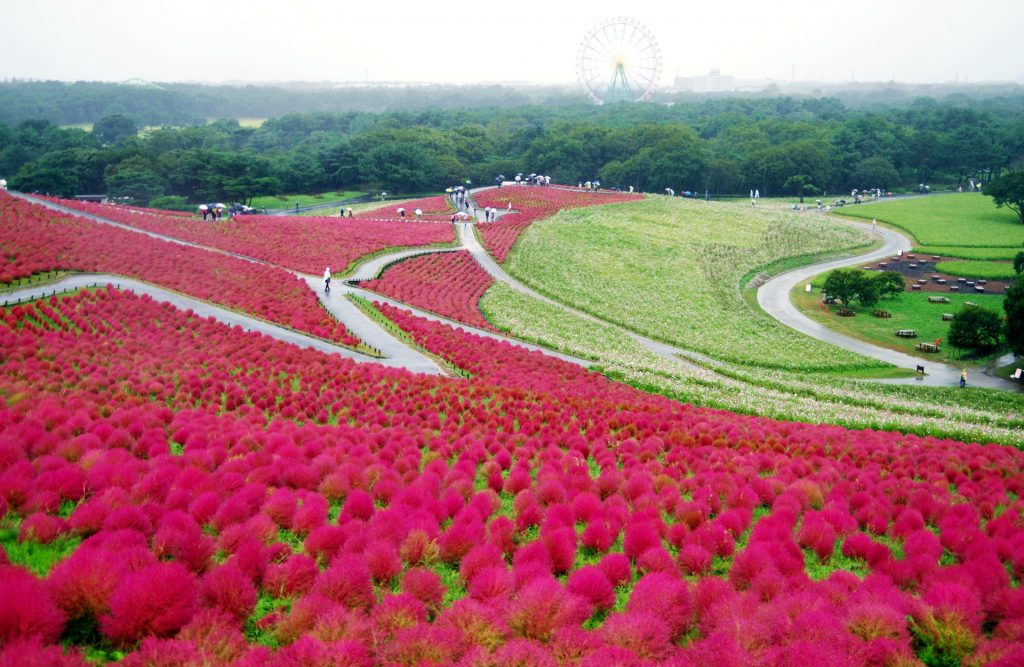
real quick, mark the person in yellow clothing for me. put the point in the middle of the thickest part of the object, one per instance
(963, 377)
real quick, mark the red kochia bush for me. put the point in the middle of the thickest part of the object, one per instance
(665, 597)
(226, 588)
(643, 633)
(347, 582)
(32, 653)
(83, 583)
(542, 607)
(26, 611)
(157, 600)
(591, 583)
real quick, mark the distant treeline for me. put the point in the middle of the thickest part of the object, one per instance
(779, 145)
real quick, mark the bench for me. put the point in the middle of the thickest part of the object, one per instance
(927, 347)
(906, 333)
(938, 299)
(881, 313)
(946, 317)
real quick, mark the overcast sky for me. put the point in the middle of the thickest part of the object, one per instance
(917, 41)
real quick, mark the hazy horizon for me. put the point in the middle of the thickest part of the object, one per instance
(312, 41)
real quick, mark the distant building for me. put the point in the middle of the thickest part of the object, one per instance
(713, 82)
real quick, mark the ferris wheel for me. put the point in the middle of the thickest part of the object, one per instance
(619, 60)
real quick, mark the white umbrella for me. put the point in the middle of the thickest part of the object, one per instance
(462, 214)
(418, 212)
(204, 207)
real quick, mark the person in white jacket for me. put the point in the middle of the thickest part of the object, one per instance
(327, 279)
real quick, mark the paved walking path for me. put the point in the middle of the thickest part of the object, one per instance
(773, 297)
(397, 353)
(398, 359)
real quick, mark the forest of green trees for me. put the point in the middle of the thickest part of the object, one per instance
(779, 145)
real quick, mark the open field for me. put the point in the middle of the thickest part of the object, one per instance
(978, 269)
(289, 201)
(964, 252)
(959, 219)
(671, 269)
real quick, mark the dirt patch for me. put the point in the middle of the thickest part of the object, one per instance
(920, 270)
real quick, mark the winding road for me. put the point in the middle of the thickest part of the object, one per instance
(773, 297)
(395, 353)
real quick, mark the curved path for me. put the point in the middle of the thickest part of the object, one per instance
(397, 354)
(417, 363)
(773, 297)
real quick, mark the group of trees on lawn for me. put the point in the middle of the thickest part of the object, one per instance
(976, 329)
(725, 146)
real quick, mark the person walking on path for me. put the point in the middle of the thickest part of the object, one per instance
(327, 279)
(874, 225)
(963, 378)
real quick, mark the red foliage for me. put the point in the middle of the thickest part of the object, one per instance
(157, 600)
(227, 589)
(27, 611)
(300, 243)
(449, 284)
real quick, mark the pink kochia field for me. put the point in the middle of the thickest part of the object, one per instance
(178, 492)
(449, 284)
(306, 244)
(34, 239)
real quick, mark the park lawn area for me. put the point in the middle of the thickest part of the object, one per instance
(672, 269)
(289, 201)
(962, 252)
(910, 310)
(978, 269)
(966, 219)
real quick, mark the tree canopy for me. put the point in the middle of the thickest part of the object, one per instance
(778, 145)
(1008, 191)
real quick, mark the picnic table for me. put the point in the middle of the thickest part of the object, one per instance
(906, 333)
(927, 347)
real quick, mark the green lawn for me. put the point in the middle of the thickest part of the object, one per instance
(962, 252)
(289, 201)
(910, 310)
(958, 219)
(978, 269)
(672, 269)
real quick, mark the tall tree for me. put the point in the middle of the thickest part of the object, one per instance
(1008, 191)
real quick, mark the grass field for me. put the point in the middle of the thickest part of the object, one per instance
(289, 201)
(671, 269)
(959, 219)
(910, 310)
(961, 252)
(978, 269)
